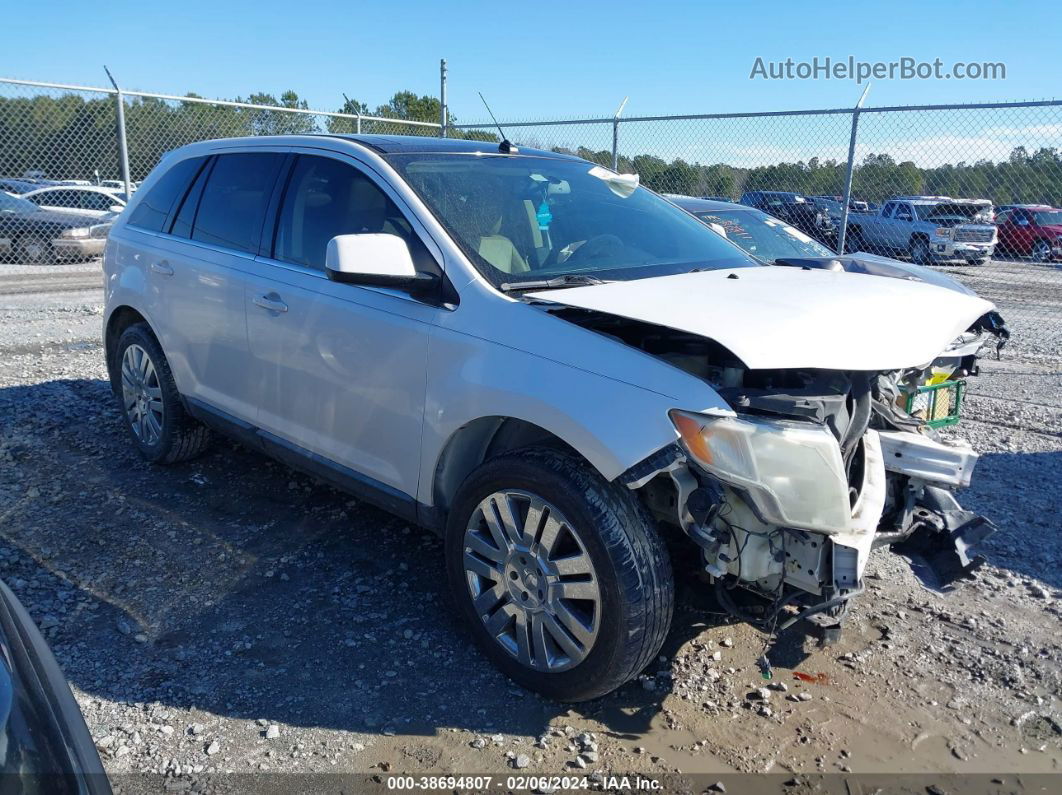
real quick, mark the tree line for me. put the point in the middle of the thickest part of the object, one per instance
(73, 136)
(1023, 178)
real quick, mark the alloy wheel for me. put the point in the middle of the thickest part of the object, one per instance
(142, 395)
(1041, 251)
(531, 580)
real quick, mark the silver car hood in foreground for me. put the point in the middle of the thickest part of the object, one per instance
(787, 317)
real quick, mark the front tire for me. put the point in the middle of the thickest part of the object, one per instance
(35, 250)
(161, 429)
(919, 251)
(560, 576)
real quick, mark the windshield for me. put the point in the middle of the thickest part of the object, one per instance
(13, 204)
(1048, 218)
(764, 236)
(526, 218)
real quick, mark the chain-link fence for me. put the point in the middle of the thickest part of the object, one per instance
(969, 190)
(76, 152)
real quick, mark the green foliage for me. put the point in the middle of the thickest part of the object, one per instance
(71, 136)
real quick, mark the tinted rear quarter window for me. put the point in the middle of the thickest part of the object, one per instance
(153, 210)
(232, 209)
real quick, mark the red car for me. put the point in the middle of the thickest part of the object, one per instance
(1031, 229)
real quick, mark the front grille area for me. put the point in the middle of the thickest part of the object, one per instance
(968, 235)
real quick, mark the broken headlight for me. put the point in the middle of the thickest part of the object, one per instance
(792, 472)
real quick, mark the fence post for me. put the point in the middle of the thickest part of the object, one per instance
(123, 145)
(849, 171)
(615, 134)
(442, 98)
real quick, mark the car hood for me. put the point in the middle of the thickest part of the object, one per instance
(875, 265)
(787, 317)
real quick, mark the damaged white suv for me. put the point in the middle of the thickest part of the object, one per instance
(549, 365)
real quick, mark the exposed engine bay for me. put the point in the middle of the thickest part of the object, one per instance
(787, 499)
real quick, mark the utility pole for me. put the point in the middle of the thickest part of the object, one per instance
(615, 134)
(442, 98)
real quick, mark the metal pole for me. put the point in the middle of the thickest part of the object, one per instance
(123, 145)
(615, 134)
(123, 150)
(442, 98)
(357, 109)
(843, 233)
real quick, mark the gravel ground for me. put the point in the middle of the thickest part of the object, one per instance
(228, 614)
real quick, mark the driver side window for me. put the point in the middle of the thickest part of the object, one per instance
(326, 198)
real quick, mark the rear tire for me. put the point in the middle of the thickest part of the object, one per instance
(613, 547)
(155, 417)
(1041, 251)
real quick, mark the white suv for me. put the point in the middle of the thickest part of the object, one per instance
(550, 366)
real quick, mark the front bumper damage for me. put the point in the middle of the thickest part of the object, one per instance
(904, 500)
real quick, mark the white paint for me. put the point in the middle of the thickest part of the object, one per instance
(376, 254)
(788, 317)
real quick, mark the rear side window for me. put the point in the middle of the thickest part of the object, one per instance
(232, 208)
(153, 210)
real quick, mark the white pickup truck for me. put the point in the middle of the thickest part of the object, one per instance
(927, 228)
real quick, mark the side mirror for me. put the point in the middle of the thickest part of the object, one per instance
(376, 260)
(1022, 222)
(116, 208)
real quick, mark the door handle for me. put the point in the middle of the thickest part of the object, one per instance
(163, 268)
(270, 302)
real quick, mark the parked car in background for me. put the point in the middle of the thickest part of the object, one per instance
(796, 210)
(84, 200)
(17, 187)
(833, 206)
(33, 235)
(927, 228)
(45, 746)
(116, 185)
(1033, 230)
(550, 366)
(774, 242)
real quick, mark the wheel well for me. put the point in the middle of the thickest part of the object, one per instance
(480, 440)
(121, 318)
(919, 236)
